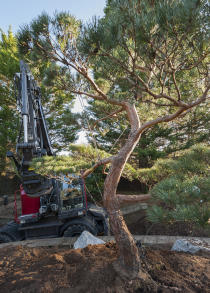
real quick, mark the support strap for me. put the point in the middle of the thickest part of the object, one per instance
(15, 206)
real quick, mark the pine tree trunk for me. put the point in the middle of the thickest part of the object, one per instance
(128, 265)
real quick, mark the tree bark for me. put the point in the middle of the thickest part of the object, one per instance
(128, 264)
(133, 198)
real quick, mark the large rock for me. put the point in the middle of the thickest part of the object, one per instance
(85, 239)
(191, 246)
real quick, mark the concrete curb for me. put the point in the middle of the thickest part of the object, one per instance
(129, 209)
(69, 241)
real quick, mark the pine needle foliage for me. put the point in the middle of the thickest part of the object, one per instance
(183, 195)
(194, 160)
(9, 64)
(82, 157)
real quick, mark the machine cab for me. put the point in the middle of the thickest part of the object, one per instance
(72, 196)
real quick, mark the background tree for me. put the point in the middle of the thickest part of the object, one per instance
(8, 116)
(154, 47)
(58, 103)
(182, 191)
(156, 142)
(63, 124)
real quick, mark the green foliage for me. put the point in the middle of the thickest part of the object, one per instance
(183, 192)
(137, 47)
(106, 133)
(8, 116)
(63, 128)
(55, 80)
(82, 157)
(157, 142)
(156, 214)
(46, 34)
(195, 160)
(8, 55)
(63, 125)
(95, 184)
(137, 34)
(135, 40)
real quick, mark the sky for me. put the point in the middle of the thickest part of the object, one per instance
(19, 12)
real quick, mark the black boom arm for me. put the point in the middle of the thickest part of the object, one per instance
(33, 140)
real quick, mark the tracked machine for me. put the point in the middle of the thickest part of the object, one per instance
(50, 208)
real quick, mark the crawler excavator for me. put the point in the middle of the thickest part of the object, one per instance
(50, 208)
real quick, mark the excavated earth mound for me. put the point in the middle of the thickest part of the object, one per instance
(62, 270)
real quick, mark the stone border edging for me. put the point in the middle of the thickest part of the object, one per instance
(69, 241)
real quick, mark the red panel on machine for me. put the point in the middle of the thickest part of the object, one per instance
(30, 205)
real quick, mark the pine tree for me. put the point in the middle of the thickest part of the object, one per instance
(157, 51)
(8, 115)
(183, 192)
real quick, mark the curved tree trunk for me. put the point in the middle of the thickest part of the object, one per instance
(128, 264)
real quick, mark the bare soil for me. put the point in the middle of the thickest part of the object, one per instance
(61, 269)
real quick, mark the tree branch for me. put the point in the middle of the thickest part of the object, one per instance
(176, 86)
(108, 116)
(146, 88)
(168, 118)
(157, 104)
(165, 118)
(130, 198)
(101, 98)
(87, 94)
(96, 165)
(132, 117)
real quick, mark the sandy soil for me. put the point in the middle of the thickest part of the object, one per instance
(59, 269)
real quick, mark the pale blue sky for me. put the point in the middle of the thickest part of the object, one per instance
(19, 12)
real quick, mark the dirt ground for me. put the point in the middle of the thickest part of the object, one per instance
(7, 211)
(62, 270)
